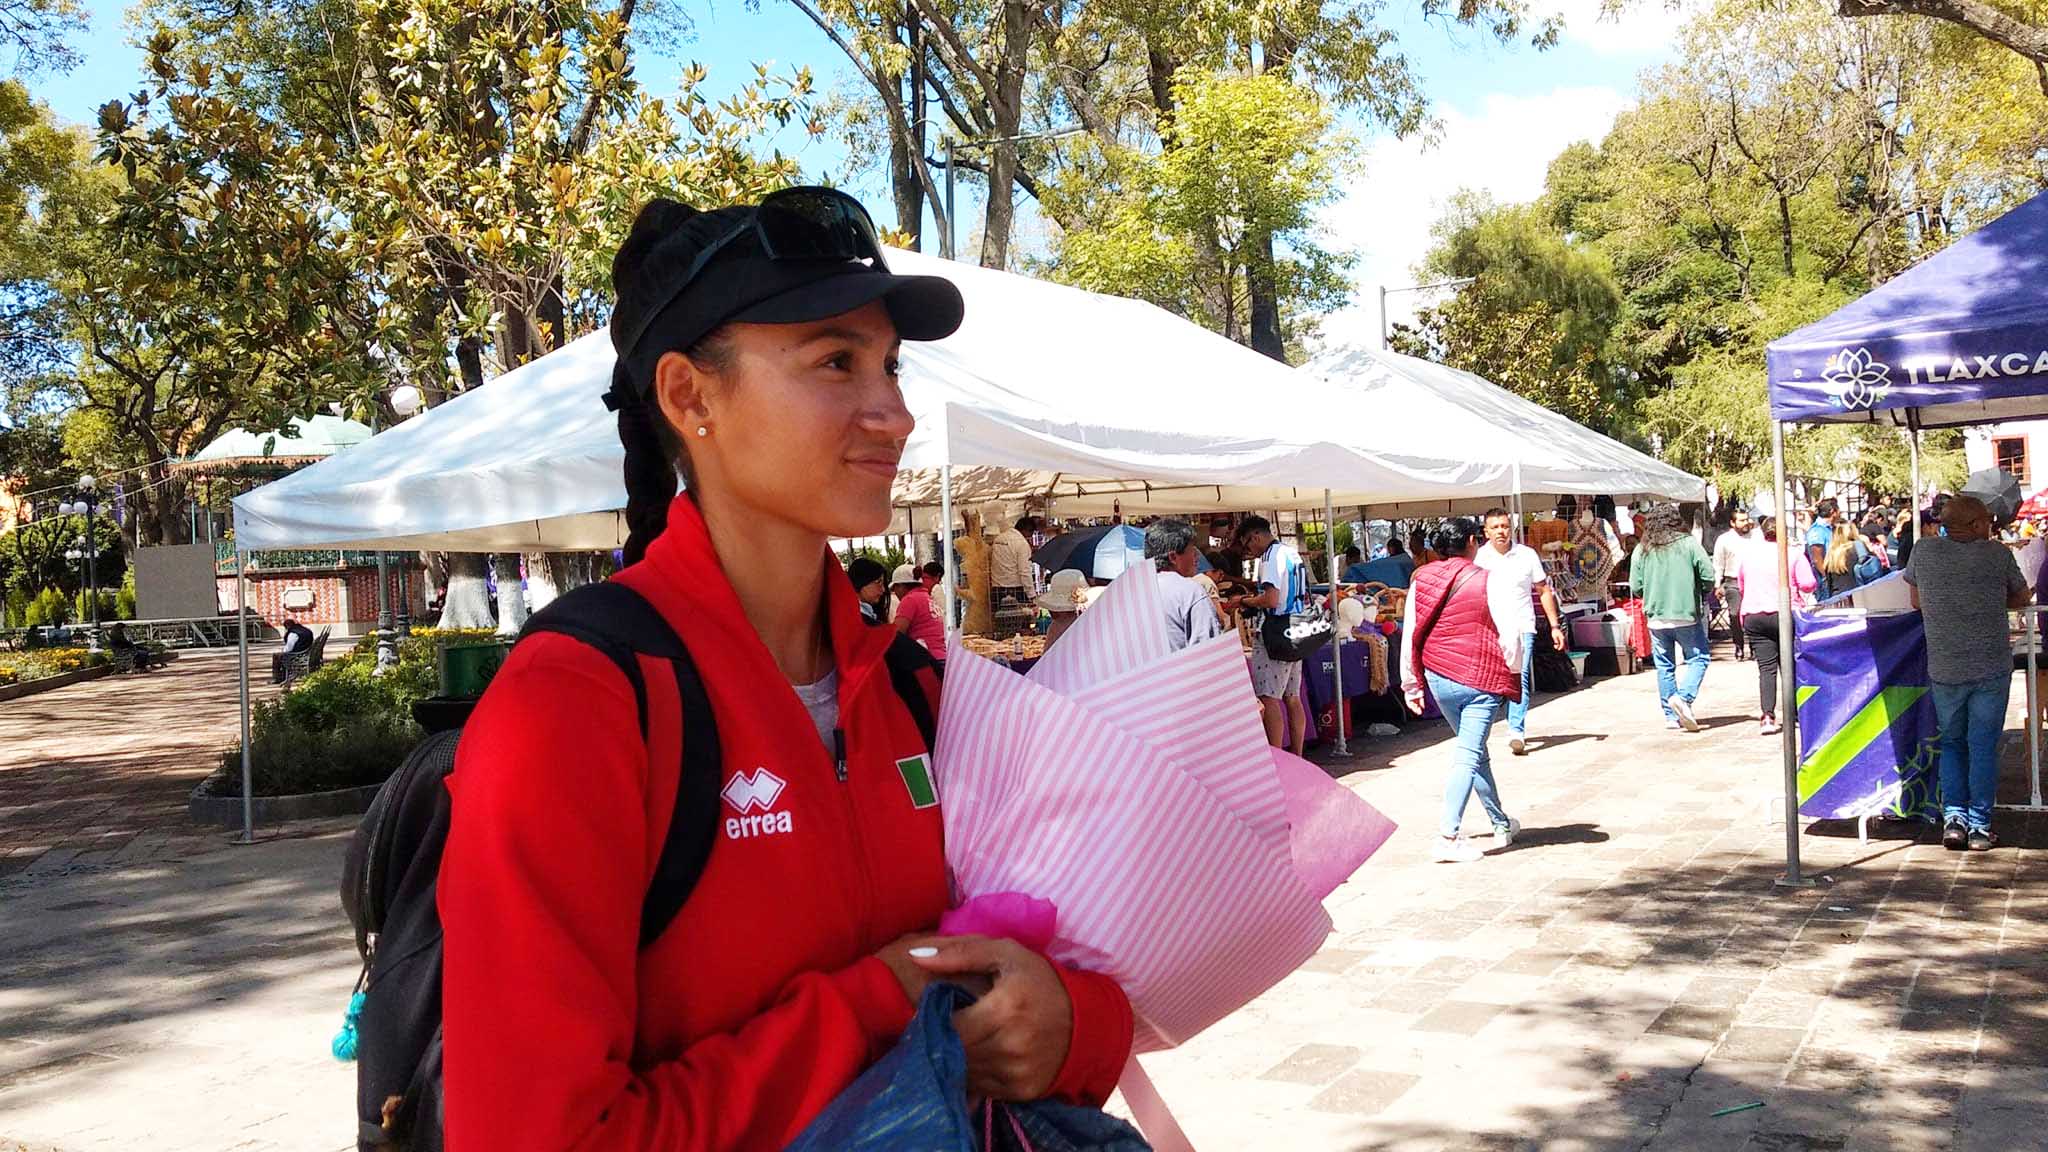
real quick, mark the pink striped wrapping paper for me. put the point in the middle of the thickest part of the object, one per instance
(1133, 788)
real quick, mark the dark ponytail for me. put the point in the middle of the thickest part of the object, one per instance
(650, 476)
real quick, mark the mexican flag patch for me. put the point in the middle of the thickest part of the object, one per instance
(917, 777)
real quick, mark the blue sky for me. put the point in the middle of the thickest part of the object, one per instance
(1505, 111)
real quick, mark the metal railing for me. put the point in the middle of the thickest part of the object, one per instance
(183, 632)
(288, 560)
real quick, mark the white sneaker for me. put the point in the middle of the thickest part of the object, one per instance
(1456, 850)
(1518, 745)
(1680, 705)
(1504, 836)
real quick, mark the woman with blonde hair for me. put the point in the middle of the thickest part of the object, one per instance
(1845, 554)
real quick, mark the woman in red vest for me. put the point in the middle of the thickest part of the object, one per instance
(1467, 648)
(757, 359)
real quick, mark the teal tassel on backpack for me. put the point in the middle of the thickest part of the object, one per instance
(344, 1046)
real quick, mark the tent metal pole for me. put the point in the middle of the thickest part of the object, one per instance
(1913, 450)
(946, 543)
(242, 639)
(1516, 504)
(2030, 619)
(1342, 709)
(1788, 688)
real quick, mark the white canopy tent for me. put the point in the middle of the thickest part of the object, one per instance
(1098, 398)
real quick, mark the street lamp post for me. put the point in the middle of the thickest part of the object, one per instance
(406, 400)
(1385, 336)
(88, 506)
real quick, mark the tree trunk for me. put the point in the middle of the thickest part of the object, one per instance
(546, 577)
(904, 155)
(1262, 284)
(1007, 104)
(1262, 278)
(468, 600)
(469, 357)
(1785, 232)
(511, 593)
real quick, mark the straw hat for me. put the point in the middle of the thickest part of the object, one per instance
(1067, 593)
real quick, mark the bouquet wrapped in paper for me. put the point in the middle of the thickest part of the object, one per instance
(1131, 788)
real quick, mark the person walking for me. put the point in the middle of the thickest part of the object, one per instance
(1729, 548)
(1190, 611)
(759, 368)
(1282, 591)
(1964, 582)
(1671, 574)
(1461, 641)
(1756, 601)
(1516, 579)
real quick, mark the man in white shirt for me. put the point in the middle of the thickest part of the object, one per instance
(1190, 615)
(1009, 566)
(1727, 567)
(1282, 591)
(1514, 578)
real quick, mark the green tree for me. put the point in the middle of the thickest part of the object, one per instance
(1254, 157)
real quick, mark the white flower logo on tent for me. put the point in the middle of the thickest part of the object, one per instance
(1855, 380)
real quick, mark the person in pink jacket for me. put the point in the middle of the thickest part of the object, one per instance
(1757, 574)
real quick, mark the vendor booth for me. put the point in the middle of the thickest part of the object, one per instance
(1959, 339)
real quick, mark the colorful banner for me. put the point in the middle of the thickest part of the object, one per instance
(1867, 740)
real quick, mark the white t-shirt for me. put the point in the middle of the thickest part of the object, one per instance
(1512, 578)
(1281, 567)
(821, 700)
(1189, 617)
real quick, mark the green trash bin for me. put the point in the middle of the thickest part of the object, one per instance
(465, 670)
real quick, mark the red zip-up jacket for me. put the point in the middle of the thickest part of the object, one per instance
(763, 999)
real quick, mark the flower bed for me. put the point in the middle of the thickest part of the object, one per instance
(40, 663)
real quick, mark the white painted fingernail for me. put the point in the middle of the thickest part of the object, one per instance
(924, 952)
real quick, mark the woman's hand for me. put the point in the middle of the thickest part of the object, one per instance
(1017, 1034)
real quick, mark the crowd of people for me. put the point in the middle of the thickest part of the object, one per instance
(1480, 610)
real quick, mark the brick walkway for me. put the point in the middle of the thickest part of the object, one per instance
(98, 773)
(1609, 983)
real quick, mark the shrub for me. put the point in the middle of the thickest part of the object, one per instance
(48, 607)
(288, 756)
(81, 607)
(14, 613)
(890, 559)
(124, 600)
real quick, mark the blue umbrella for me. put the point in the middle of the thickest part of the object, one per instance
(1102, 553)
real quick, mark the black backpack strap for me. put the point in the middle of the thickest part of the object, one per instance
(619, 622)
(906, 659)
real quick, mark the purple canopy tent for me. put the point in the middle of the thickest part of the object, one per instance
(1960, 338)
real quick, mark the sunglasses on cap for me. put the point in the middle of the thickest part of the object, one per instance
(821, 224)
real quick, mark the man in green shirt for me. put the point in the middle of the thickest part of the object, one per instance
(1671, 574)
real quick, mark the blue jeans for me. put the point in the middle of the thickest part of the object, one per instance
(1518, 710)
(1972, 717)
(1471, 714)
(1691, 642)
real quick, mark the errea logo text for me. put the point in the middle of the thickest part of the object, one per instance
(753, 795)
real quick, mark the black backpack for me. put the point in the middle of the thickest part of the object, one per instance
(393, 1029)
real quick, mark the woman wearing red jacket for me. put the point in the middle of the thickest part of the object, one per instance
(757, 357)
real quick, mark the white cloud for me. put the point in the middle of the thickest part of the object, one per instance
(1645, 28)
(1502, 149)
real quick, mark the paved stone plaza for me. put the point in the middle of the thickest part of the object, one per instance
(1621, 974)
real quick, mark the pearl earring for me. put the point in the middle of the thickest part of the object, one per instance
(703, 431)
